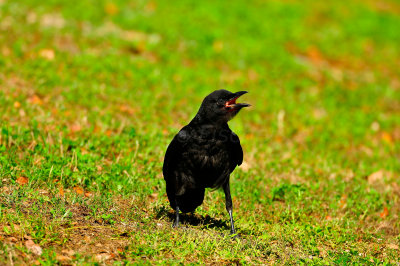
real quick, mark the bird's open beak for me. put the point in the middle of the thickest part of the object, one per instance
(232, 102)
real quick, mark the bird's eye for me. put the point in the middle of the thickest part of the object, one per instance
(220, 102)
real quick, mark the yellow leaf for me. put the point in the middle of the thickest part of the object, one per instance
(47, 54)
(111, 8)
(386, 137)
(150, 6)
(218, 46)
(78, 190)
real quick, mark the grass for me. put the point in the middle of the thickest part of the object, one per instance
(91, 93)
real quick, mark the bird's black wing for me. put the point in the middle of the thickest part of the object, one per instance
(236, 151)
(170, 168)
(172, 156)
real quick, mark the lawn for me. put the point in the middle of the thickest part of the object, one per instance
(92, 92)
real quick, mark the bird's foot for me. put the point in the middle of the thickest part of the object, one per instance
(175, 225)
(234, 235)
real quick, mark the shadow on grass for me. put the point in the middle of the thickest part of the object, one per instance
(191, 218)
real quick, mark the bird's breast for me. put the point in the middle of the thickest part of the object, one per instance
(209, 163)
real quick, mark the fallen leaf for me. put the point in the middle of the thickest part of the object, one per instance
(328, 218)
(96, 129)
(252, 75)
(78, 190)
(279, 139)
(69, 252)
(343, 202)
(126, 109)
(27, 237)
(375, 177)
(34, 248)
(34, 99)
(150, 6)
(319, 171)
(153, 195)
(392, 246)
(249, 136)
(384, 213)
(47, 54)
(396, 188)
(6, 51)
(53, 21)
(244, 166)
(43, 191)
(22, 180)
(84, 151)
(314, 54)
(88, 194)
(61, 191)
(108, 132)
(17, 104)
(102, 257)
(386, 137)
(135, 36)
(15, 227)
(62, 258)
(375, 126)
(319, 113)
(110, 8)
(231, 76)
(218, 46)
(177, 78)
(11, 239)
(75, 128)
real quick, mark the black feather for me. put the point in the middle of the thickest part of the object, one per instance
(203, 153)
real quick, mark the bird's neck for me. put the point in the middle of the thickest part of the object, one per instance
(201, 121)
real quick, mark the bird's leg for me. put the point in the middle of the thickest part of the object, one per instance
(228, 204)
(176, 223)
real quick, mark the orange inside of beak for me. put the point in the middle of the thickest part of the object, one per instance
(231, 102)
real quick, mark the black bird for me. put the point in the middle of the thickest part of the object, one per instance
(203, 154)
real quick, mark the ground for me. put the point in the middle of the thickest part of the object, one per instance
(92, 92)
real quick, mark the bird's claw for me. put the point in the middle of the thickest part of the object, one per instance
(234, 235)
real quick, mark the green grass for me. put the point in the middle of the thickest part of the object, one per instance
(91, 93)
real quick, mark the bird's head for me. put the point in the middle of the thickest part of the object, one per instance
(220, 106)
